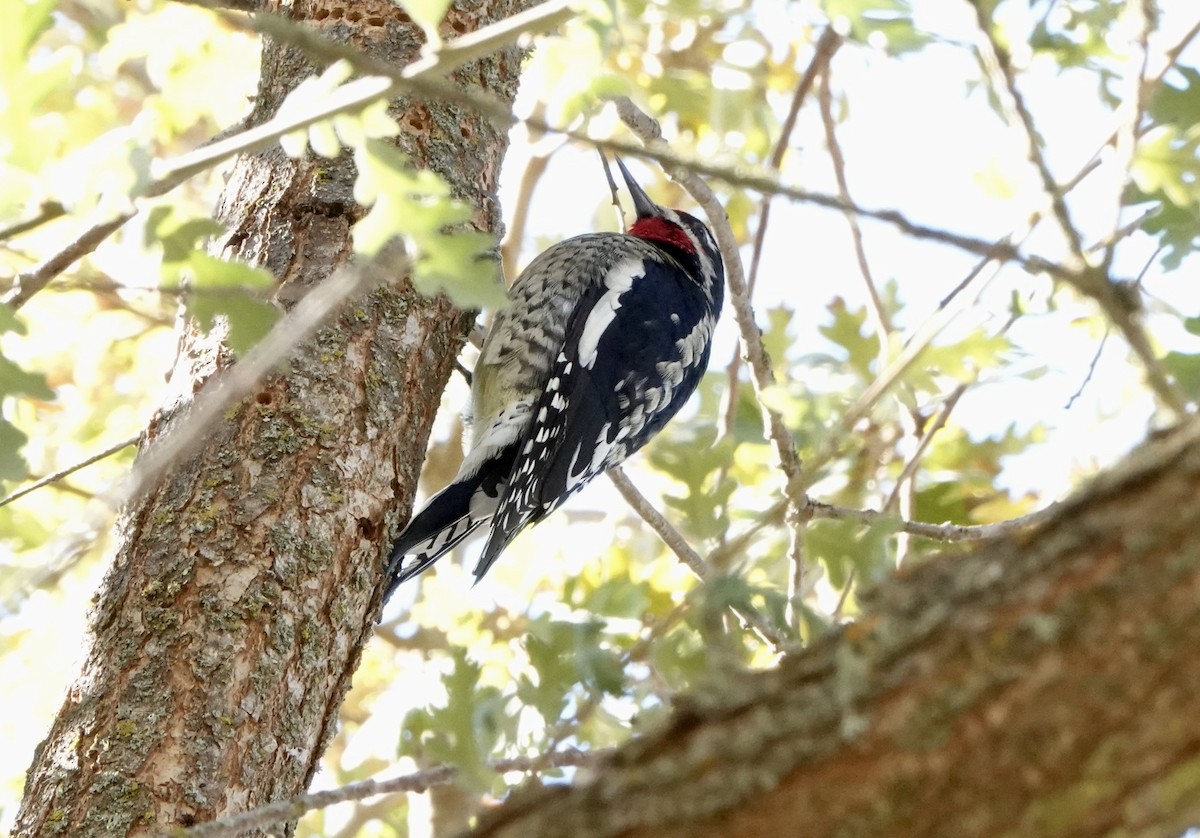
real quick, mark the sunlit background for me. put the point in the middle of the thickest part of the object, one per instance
(1053, 396)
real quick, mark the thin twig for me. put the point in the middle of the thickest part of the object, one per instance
(825, 47)
(1089, 281)
(927, 436)
(69, 470)
(658, 522)
(287, 810)
(1129, 118)
(510, 248)
(28, 284)
(424, 76)
(1091, 372)
(936, 532)
(48, 212)
(650, 133)
(875, 307)
(997, 64)
(684, 551)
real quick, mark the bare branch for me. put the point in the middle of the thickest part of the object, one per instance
(669, 535)
(511, 246)
(760, 365)
(826, 46)
(28, 284)
(51, 479)
(1092, 282)
(936, 532)
(421, 77)
(997, 64)
(419, 781)
(48, 212)
(879, 316)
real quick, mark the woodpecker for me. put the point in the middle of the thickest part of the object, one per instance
(605, 337)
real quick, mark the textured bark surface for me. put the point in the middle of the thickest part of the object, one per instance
(1037, 687)
(227, 630)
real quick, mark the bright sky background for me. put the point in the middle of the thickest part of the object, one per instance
(913, 143)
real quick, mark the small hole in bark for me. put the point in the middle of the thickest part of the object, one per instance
(265, 397)
(367, 528)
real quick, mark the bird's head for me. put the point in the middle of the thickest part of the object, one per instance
(673, 230)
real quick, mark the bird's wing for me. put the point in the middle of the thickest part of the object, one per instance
(634, 349)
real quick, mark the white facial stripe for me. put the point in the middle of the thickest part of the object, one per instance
(617, 281)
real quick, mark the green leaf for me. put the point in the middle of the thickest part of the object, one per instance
(225, 292)
(417, 205)
(681, 658)
(23, 23)
(178, 236)
(886, 24)
(1177, 228)
(12, 464)
(10, 322)
(15, 381)
(776, 339)
(566, 654)
(693, 456)
(1178, 105)
(466, 730)
(1168, 161)
(962, 360)
(842, 546)
(1185, 369)
(847, 331)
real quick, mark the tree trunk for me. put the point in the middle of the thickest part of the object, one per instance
(245, 583)
(1043, 685)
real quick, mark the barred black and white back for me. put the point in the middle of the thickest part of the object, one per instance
(607, 336)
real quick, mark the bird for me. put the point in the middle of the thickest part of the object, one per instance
(605, 337)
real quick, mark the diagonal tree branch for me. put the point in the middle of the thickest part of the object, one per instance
(425, 76)
(1007, 691)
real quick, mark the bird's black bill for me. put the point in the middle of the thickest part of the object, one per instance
(641, 201)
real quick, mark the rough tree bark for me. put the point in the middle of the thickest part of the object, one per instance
(244, 586)
(1047, 685)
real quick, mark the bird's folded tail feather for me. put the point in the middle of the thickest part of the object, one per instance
(450, 516)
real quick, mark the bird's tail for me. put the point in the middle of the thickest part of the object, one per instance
(450, 516)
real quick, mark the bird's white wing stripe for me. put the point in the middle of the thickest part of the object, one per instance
(691, 346)
(618, 280)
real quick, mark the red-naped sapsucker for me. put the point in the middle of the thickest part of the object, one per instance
(606, 337)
